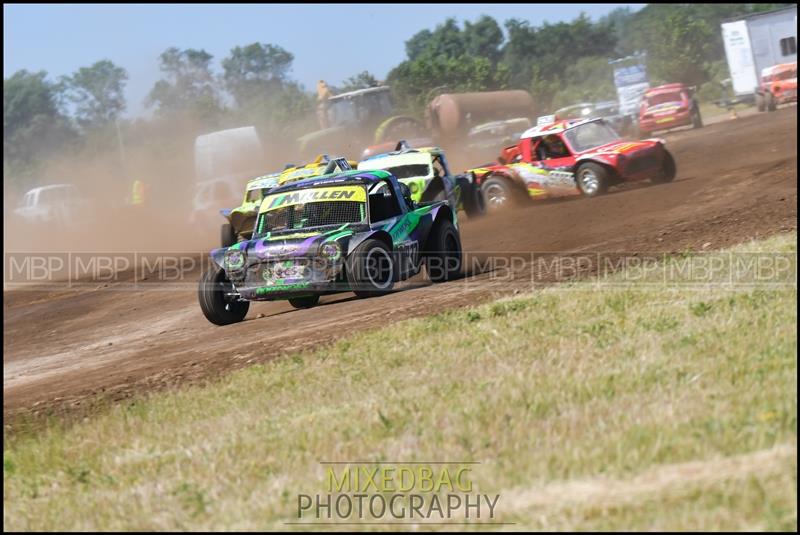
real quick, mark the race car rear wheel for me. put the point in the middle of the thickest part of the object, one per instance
(218, 307)
(307, 301)
(370, 269)
(667, 172)
(769, 102)
(227, 235)
(443, 256)
(498, 193)
(592, 179)
(697, 119)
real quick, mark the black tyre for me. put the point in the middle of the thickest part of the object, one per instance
(217, 307)
(592, 179)
(760, 102)
(227, 236)
(498, 193)
(371, 269)
(769, 101)
(697, 119)
(443, 256)
(472, 199)
(668, 170)
(306, 301)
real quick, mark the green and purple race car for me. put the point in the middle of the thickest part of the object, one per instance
(354, 231)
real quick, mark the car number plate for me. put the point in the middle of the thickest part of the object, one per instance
(665, 120)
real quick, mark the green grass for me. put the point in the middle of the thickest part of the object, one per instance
(589, 406)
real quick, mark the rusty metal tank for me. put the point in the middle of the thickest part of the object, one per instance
(452, 114)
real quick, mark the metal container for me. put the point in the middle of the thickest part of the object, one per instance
(452, 115)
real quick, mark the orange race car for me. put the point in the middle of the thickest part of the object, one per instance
(778, 86)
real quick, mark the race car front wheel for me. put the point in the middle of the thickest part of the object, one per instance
(592, 179)
(667, 172)
(443, 252)
(370, 269)
(218, 306)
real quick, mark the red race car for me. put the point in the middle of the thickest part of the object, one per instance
(668, 106)
(571, 157)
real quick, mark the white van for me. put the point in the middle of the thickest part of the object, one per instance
(57, 203)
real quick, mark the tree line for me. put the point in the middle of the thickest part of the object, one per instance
(559, 64)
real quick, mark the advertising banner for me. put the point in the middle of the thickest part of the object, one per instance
(630, 78)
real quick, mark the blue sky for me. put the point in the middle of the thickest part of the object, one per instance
(329, 41)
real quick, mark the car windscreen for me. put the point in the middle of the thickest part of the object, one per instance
(311, 208)
(785, 75)
(590, 135)
(605, 110)
(218, 191)
(56, 194)
(574, 112)
(409, 171)
(256, 194)
(662, 98)
(342, 112)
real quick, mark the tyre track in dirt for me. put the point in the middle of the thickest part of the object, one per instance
(71, 350)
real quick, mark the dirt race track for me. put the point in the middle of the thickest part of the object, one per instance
(64, 350)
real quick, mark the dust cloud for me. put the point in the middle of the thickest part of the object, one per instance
(156, 152)
(160, 153)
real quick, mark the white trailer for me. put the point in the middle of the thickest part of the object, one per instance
(224, 161)
(235, 155)
(756, 42)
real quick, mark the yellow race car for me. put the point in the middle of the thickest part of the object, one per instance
(298, 172)
(241, 219)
